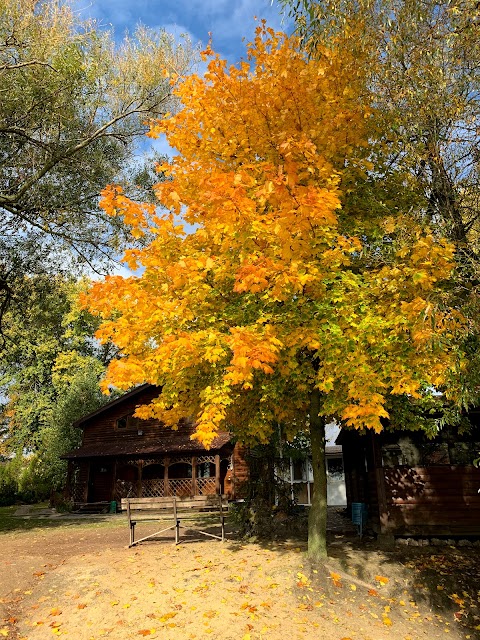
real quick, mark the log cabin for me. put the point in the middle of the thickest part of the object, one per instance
(413, 486)
(123, 456)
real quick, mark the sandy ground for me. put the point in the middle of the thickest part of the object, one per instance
(83, 583)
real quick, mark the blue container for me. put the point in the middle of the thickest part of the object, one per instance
(359, 516)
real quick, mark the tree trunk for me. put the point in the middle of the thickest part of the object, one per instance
(317, 518)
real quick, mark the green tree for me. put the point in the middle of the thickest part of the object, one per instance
(50, 367)
(423, 76)
(73, 105)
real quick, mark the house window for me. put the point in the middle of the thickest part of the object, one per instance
(206, 470)
(299, 470)
(179, 470)
(129, 422)
(335, 469)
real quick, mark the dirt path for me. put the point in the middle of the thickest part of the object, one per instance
(82, 583)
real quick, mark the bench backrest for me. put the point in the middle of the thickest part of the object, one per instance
(213, 502)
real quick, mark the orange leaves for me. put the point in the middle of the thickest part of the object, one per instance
(168, 616)
(381, 580)
(251, 349)
(336, 579)
(273, 274)
(135, 215)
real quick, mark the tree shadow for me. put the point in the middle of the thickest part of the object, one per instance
(15, 524)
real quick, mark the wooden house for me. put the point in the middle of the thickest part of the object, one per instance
(412, 485)
(123, 456)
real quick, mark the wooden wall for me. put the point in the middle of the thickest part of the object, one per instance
(425, 498)
(102, 429)
(443, 500)
(240, 470)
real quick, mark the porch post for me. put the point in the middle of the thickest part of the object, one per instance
(139, 480)
(194, 475)
(68, 484)
(166, 488)
(87, 481)
(385, 538)
(114, 480)
(217, 473)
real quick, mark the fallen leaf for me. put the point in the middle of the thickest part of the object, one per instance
(337, 579)
(381, 579)
(168, 616)
(210, 614)
(55, 611)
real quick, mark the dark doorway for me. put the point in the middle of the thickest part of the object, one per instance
(100, 482)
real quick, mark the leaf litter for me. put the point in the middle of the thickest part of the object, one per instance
(209, 590)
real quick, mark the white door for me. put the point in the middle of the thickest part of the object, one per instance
(336, 490)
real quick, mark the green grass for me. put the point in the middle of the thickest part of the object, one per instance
(9, 523)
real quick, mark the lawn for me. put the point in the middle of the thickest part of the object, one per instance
(77, 579)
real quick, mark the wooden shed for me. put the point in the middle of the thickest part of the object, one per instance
(123, 456)
(412, 485)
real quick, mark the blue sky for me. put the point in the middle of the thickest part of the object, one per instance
(229, 21)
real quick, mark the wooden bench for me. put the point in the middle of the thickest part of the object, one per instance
(174, 510)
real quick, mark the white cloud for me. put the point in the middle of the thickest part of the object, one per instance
(229, 21)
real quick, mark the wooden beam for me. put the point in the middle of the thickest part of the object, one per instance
(139, 479)
(194, 475)
(380, 483)
(217, 473)
(166, 487)
(114, 480)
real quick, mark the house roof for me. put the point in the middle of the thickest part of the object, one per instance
(149, 440)
(168, 441)
(334, 449)
(113, 403)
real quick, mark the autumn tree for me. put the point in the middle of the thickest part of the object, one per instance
(423, 74)
(73, 106)
(279, 305)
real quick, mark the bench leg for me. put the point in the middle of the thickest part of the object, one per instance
(223, 528)
(132, 534)
(177, 532)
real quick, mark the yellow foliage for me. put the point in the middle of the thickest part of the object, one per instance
(269, 296)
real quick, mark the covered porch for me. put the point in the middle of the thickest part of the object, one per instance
(106, 479)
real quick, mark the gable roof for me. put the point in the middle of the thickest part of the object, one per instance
(145, 442)
(113, 403)
(167, 441)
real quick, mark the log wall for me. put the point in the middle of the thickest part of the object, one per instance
(443, 500)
